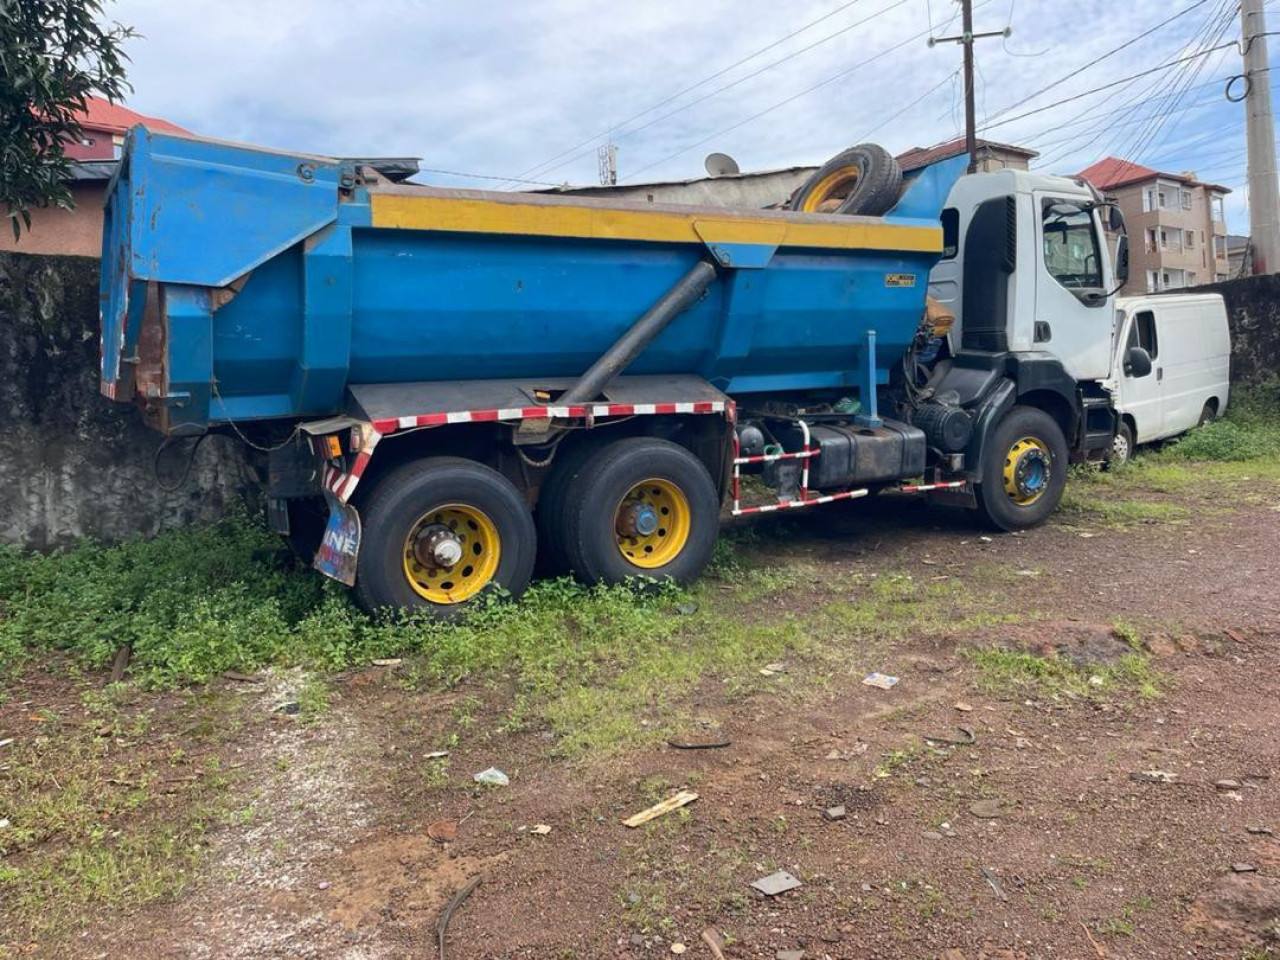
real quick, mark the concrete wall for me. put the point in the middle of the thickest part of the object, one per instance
(55, 230)
(72, 463)
(1253, 304)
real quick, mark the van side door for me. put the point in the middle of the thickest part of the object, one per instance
(1142, 397)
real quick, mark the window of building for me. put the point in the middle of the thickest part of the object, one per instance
(1191, 239)
(1153, 281)
(1191, 278)
(1162, 199)
(1186, 199)
(1148, 201)
(1152, 242)
(1143, 333)
(1071, 253)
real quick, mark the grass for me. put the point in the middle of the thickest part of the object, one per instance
(1002, 670)
(107, 813)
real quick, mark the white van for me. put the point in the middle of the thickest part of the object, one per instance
(1189, 345)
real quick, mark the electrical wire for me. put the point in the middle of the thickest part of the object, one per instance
(914, 103)
(1094, 62)
(1106, 86)
(1004, 41)
(689, 89)
(795, 96)
(1167, 97)
(485, 176)
(733, 83)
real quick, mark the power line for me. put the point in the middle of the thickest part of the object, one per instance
(1075, 146)
(1112, 52)
(914, 103)
(796, 96)
(1105, 86)
(1004, 43)
(689, 89)
(485, 176)
(734, 83)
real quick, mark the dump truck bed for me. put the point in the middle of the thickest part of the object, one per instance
(246, 284)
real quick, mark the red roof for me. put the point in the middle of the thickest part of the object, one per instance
(918, 157)
(114, 118)
(1112, 172)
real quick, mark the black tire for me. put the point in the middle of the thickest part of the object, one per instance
(866, 176)
(1208, 414)
(1001, 509)
(408, 494)
(594, 497)
(1122, 447)
(549, 516)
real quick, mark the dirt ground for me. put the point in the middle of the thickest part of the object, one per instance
(1134, 823)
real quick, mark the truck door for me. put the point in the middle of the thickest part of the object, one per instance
(1073, 320)
(1142, 397)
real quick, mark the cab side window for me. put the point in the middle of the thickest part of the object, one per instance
(1143, 333)
(1071, 253)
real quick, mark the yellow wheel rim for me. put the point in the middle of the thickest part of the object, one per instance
(652, 523)
(1027, 469)
(451, 553)
(836, 184)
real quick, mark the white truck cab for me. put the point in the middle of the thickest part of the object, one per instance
(1041, 237)
(1028, 273)
(1187, 381)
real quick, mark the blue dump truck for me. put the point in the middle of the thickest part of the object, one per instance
(442, 387)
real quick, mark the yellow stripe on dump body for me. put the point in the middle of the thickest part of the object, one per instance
(471, 212)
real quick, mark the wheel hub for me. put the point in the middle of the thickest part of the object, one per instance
(437, 546)
(1027, 469)
(637, 519)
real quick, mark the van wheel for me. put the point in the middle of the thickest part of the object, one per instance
(1024, 470)
(1121, 447)
(439, 535)
(1207, 415)
(640, 508)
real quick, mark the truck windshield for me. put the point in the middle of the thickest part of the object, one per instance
(1071, 253)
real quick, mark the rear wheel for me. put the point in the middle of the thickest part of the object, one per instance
(1208, 414)
(1024, 470)
(440, 534)
(552, 503)
(640, 507)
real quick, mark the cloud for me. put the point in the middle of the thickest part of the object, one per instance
(497, 86)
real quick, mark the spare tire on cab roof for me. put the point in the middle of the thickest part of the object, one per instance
(864, 180)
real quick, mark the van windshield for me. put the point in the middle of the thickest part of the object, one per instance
(1071, 253)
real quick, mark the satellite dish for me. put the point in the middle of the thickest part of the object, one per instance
(721, 165)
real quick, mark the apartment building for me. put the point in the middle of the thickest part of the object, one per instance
(1177, 227)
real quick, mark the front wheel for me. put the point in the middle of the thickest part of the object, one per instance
(1121, 447)
(1024, 470)
(640, 508)
(441, 533)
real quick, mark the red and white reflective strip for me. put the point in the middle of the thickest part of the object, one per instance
(770, 457)
(592, 410)
(343, 484)
(922, 487)
(796, 504)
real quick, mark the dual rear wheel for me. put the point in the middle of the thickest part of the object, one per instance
(442, 533)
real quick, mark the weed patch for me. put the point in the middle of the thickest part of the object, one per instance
(1002, 670)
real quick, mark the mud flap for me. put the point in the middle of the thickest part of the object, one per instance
(340, 547)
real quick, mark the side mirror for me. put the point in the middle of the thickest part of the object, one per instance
(1122, 259)
(1115, 219)
(1137, 362)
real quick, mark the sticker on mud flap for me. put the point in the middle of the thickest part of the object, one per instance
(899, 279)
(336, 557)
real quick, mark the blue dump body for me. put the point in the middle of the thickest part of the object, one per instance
(242, 284)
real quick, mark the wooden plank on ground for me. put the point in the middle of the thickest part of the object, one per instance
(658, 809)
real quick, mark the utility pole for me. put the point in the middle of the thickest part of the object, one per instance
(1264, 194)
(967, 38)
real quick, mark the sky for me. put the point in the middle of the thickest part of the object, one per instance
(520, 89)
